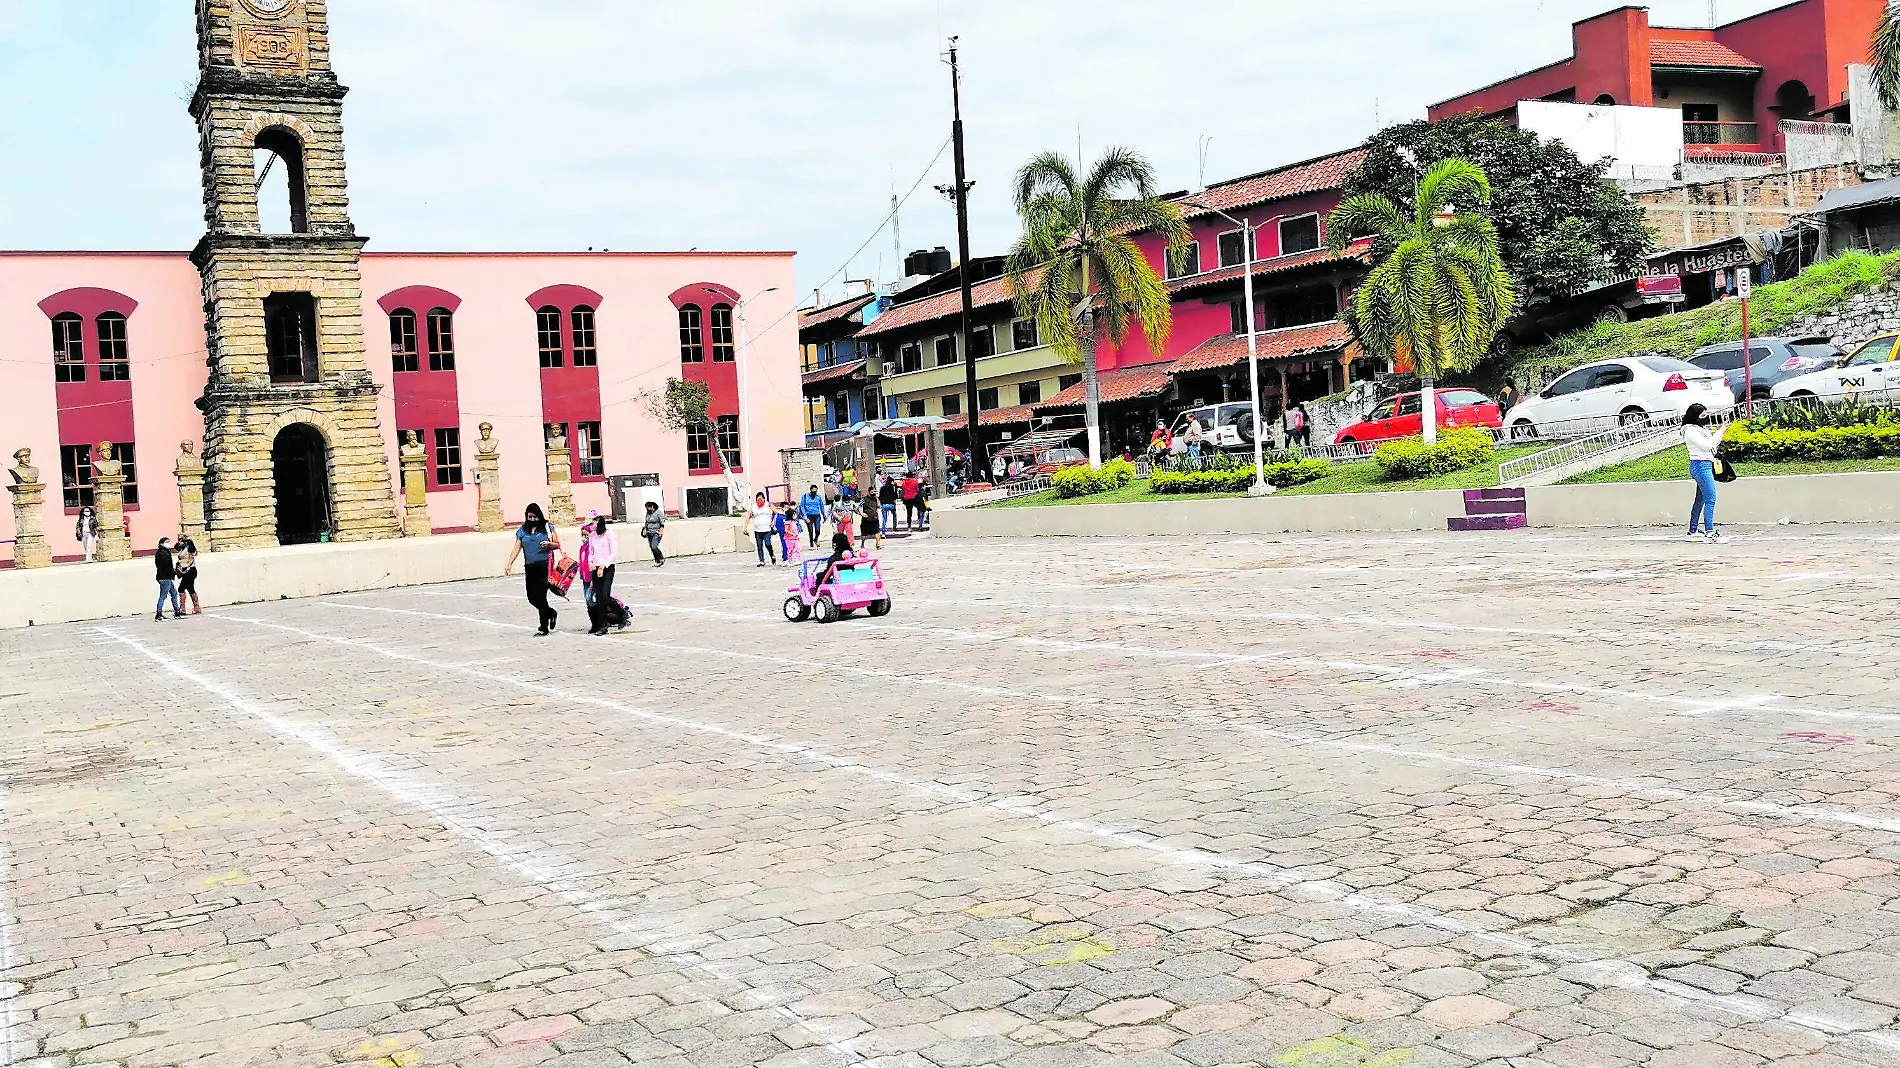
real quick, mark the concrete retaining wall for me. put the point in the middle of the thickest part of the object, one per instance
(71, 593)
(1866, 497)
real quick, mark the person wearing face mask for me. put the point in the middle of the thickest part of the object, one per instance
(87, 531)
(603, 552)
(167, 582)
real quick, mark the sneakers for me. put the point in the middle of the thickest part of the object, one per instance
(542, 633)
(1717, 538)
(1695, 535)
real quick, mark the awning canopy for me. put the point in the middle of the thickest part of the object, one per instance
(1036, 441)
(897, 426)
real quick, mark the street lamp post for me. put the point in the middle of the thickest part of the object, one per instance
(745, 366)
(1259, 487)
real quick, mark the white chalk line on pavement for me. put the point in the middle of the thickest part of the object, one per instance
(1583, 967)
(1800, 813)
(9, 989)
(462, 816)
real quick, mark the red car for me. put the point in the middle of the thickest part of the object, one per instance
(1402, 417)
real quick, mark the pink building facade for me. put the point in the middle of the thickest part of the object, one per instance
(112, 346)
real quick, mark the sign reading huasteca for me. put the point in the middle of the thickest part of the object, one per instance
(263, 347)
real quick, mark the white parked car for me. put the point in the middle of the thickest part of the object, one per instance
(1870, 370)
(1226, 426)
(1629, 390)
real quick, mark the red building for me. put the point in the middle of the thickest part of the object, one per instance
(1733, 83)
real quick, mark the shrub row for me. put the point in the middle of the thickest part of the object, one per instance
(1455, 450)
(1745, 441)
(1817, 414)
(1084, 481)
(1237, 479)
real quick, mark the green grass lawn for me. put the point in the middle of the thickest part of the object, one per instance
(1362, 477)
(1674, 464)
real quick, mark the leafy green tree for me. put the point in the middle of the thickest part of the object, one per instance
(1440, 292)
(683, 405)
(1076, 270)
(1562, 226)
(1884, 54)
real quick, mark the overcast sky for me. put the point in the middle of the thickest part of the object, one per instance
(743, 124)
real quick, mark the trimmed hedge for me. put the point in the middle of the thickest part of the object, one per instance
(1238, 479)
(1745, 441)
(1455, 450)
(1085, 481)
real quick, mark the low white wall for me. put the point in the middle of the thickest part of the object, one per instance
(70, 593)
(1858, 497)
(1865, 497)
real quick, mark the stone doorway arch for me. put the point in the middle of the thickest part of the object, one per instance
(301, 485)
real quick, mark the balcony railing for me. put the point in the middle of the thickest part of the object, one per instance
(1721, 133)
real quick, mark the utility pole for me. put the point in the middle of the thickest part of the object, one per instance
(975, 456)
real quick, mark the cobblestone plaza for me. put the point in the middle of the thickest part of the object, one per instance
(1553, 801)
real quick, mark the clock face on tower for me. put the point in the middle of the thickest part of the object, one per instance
(267, 7)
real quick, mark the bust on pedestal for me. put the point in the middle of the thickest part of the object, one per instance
(108, 501)
(415, 488)
(29, 544)
(560, 479)
(190, 472)
(488, 515)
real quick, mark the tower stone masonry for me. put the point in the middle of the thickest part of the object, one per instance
(293, 444)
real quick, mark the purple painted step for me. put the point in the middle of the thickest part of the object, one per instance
(1516, 507)
(1476, 495)
(1487, 522)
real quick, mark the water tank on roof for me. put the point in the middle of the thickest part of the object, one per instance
(917, 263)
(939, 260)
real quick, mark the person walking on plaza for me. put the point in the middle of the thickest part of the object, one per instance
(812, 508)
(759, 518)
(923, 506)
(582, 558)
(785, 525)
(87, 531)
(1193, 436)
(185, 562)
(534, 540)
(887, 504)
(908, 490)
(167, 582)
(653, 529)
(869, 527)
(1702, 448)
(844, 517)
(603, 552)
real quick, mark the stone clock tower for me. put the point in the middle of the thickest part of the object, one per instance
(292, 442)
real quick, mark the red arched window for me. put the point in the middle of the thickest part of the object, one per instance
(722, 347)
(548, 321)
(692, 345)
(584, 354)
(441, 340)
(402, 341)
(69, 348)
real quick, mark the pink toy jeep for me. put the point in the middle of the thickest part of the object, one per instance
(857, 583)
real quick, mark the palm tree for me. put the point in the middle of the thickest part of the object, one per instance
(1884, 54)
(1441, 293)
(1076, 266)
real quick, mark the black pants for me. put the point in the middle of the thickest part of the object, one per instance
(910, 512)
(811, 527)
(536, 572)
(762, 540)
(605, 611)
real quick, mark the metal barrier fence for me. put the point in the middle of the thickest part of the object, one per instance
(1023, 487)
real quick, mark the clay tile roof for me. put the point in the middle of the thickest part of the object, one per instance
(984, 294)
(1357, 251)
(1122, 384)
(831, 313)
(826, 374)
(1698, 54)
(1019, 413)
(1228, 350)
(1295, 179)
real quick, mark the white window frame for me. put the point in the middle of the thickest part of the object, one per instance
(1167, 261)
(936, 345)
(1032, 325)
(1243, 248)
(1318, 230)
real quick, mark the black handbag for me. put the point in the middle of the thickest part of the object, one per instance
(1724, 471)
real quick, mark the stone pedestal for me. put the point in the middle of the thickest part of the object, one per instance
(488, 515)
(108, 503)
(415, 490)
(560, 483)
(190, 472)
(29, 544)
